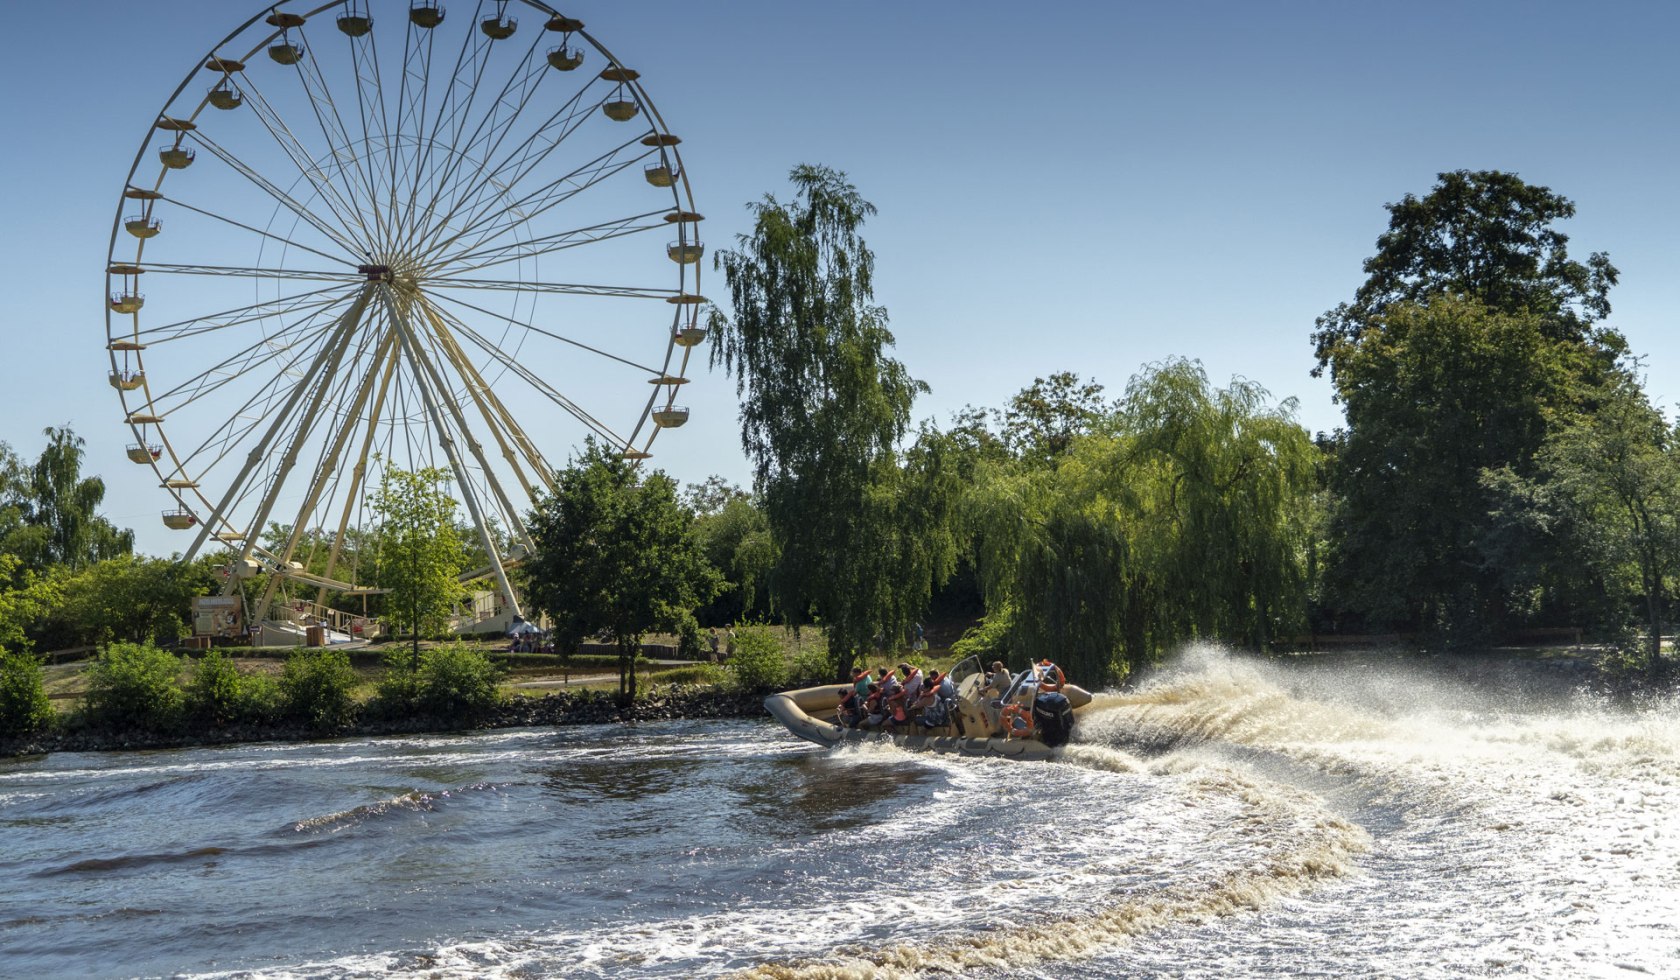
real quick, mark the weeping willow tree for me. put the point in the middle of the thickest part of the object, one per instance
(1184, 516)
(857, 526)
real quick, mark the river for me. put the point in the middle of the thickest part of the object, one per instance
(1229, 818)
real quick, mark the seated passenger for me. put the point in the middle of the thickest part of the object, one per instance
(872, 713)
(997, 679)
(912, 682)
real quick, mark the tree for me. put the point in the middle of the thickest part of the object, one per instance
(1435, 397)
(1042, 420)
(823, 409)
(1483, 234)
(421, 555)
(735, 538)
(613, 555)
(129, 599)
(1184, 515)
(1472, 336)
(53, 508)
(26, 599)
(1618, 470)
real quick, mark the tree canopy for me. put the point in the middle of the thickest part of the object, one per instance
(1184, 515)
(49, 511)
(1483, 234)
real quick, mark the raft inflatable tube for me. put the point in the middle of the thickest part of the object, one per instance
(802, 712)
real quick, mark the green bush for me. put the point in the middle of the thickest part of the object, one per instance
(219, 695)
(989, 639)
(317, 688)
(24, 708)
(398, 692)
(457, 682)
(759, 663)
(810, 668)
(134, 686)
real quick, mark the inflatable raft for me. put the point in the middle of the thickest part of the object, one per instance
(812, 714)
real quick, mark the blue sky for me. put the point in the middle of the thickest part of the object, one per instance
(1062, 186)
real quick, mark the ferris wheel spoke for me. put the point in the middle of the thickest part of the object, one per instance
(254, 272)
(277, 307)
(240, 167)
(358, 473)
(326, 469)
(541, 385)
(327, 356)
(327, 189)
(364, 65)
(489, 225)
(256, 408)
(567, 288)
(497, 418)
(568, 118)
(486, 258)
(490, 127)
(339, 141)
(533, 328)
(441, 343)
(289, 243)
(234, 367)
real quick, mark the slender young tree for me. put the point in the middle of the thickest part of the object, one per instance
(823, 410)
(420, 553)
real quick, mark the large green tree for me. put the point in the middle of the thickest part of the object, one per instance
(823, 410)
(1472, 337)
(420, 550)
(614, 555)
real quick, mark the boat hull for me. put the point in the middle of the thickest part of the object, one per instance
(802, 713)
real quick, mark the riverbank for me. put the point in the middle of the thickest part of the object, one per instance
(558, 709)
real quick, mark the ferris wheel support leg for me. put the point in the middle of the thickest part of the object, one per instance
(482, 397)
(423, 380)
(330, 353)
(360, 471)
(329, 466)
(509, 511)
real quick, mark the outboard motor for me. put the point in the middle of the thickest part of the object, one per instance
(1053, 718)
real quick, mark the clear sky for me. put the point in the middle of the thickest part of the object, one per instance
(1062, 186)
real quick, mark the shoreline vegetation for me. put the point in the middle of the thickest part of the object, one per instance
(397, 704)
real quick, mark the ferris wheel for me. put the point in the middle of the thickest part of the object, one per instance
(390, 235)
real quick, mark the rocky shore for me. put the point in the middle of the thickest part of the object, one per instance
(563, 708)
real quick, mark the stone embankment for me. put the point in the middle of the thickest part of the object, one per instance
(565, 708)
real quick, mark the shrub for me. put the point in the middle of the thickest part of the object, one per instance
(398, 692)
(24, 708)
(220, 695)
(317, 688)
(758, 663)
(134, 686)
(810, 668)
(988, 640)
(457, 682)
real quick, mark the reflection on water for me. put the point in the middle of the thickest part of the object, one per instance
(1229, 819)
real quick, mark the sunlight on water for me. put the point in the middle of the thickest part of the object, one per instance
(1229, 817)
